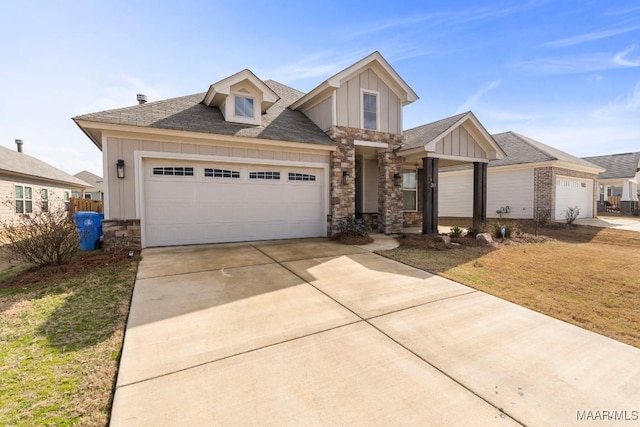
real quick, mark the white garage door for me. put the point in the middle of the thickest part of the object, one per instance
(199, 202)
(571, 192)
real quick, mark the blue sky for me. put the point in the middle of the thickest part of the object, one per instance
(566, 73)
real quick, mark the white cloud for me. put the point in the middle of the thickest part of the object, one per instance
(587, 37)
(472, 101)
(625, 105)
(582, 63)
(621, 58)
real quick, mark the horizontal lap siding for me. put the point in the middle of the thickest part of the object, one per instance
(512, 188)
(455, 194)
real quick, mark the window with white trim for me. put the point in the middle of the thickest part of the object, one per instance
(409, 190)
(244, 106)
(221, 173)
(23, 199)
(44, 200)
(264, 175)
(67, 205)
(369, 111)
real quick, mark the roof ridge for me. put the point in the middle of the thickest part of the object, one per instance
(528, 140)
(437, 121)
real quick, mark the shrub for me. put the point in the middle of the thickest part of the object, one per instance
(473, 231)
(41, 238)
(350, 225)
(571, 214)
(456, 232)
(497, 230)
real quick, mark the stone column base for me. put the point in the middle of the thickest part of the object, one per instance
(121, 234)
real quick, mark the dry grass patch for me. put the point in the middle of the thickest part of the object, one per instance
(593, 284)
(61, 332)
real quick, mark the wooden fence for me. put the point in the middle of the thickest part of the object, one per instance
(77, 204)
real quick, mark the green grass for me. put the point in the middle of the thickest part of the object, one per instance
(60, 343)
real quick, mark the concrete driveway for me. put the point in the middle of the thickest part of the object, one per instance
(309, 332)
(629, 223)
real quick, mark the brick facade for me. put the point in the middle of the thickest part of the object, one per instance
(412, 219)
(544, 189)
(121, 234)
(389, 217)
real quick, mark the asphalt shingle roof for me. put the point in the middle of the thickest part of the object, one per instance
(419, 136)
(92, 179)
(521, 150)
(188, 113)
(24, 164)
(623, 165)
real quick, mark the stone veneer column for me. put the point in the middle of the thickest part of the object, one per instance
(343, 195)
(390, 215)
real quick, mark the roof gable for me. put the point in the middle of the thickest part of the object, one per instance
(375, 62)
(15, 163)
(426, 137)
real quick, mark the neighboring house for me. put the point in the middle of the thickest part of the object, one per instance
(533, 181)
(29, 185)
(620, 179)
(251, 159)
(96, 192)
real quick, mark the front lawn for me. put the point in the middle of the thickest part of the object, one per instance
(61, 332)
(586, 276)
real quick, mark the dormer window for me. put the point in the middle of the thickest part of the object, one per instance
(244, 106)
(369, 111)
(241, 98)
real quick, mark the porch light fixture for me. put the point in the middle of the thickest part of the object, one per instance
(345, 177)
(397, 179)
(120, 169)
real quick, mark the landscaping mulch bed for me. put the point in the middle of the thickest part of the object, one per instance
(83, 263)
(352, 239)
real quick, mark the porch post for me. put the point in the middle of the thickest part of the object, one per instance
(479, 194)
(430, 195)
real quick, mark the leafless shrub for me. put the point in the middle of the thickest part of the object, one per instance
(571, 214)
(41, 238)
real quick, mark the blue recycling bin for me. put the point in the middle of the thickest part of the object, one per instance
(89, 225)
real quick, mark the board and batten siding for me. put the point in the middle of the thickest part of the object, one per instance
(349, 103)
(320, 114)
(460, 143)
(121, 192)
(513, 188)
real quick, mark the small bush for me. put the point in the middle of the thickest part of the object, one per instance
(571, 214)
(41, 238)
(456, 232)
(473, 231)
(497, 230)
(352, 226)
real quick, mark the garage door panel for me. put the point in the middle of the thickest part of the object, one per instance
(571, 192)
(200, 209)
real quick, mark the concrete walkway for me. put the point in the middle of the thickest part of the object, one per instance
(628, 223)
(310, 332)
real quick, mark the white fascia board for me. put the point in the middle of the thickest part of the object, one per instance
(580, 168)
(456, 158)
(314, 97)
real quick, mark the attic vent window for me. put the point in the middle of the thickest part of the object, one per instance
(244, 107)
